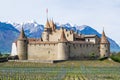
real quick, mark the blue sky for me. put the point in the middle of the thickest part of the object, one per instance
(95, 13)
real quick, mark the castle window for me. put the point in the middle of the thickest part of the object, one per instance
(106, 51)
(48, 52)
(86, 45)
(104, 55)
(74, 47)
(66, 43)
(67, 35)
(88, 40)
(105, 45)
(69, 47)
(80, 45)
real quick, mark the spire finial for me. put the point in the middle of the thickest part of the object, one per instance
(22, 34)
(47, 23)
(47, 13)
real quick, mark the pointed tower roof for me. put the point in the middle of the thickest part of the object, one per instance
(52, 25)
(63, 37)
(104, 38)
(22, 34)
(47, 25)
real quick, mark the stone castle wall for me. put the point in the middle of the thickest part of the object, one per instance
(62, 51)
(42, 51)
(82, 51)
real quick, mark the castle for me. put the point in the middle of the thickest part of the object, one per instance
(61, 44)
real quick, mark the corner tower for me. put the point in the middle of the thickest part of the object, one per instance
(104, 46)
(22, 46)
(63, 50)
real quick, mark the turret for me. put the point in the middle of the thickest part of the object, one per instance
(104, 46)
(52, 25)
(46, 32)
(63, 51)
(22, 46)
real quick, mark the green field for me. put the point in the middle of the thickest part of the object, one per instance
(68, 70)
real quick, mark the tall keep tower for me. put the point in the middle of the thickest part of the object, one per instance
(104, 46)
(22, 46)
(45, 34)
(63, 49)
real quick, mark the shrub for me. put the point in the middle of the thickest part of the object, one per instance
(104, 58)
(92, 55)
(115, 57)
(5, 55)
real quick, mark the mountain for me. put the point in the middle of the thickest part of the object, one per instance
(34, 30)
(8, 34)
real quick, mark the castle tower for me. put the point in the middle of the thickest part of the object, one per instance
(46, 32)
(104, 46)
(22, 46)
(63, 50)
(52, 25)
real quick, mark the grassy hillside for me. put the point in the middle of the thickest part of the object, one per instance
(68, 70)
